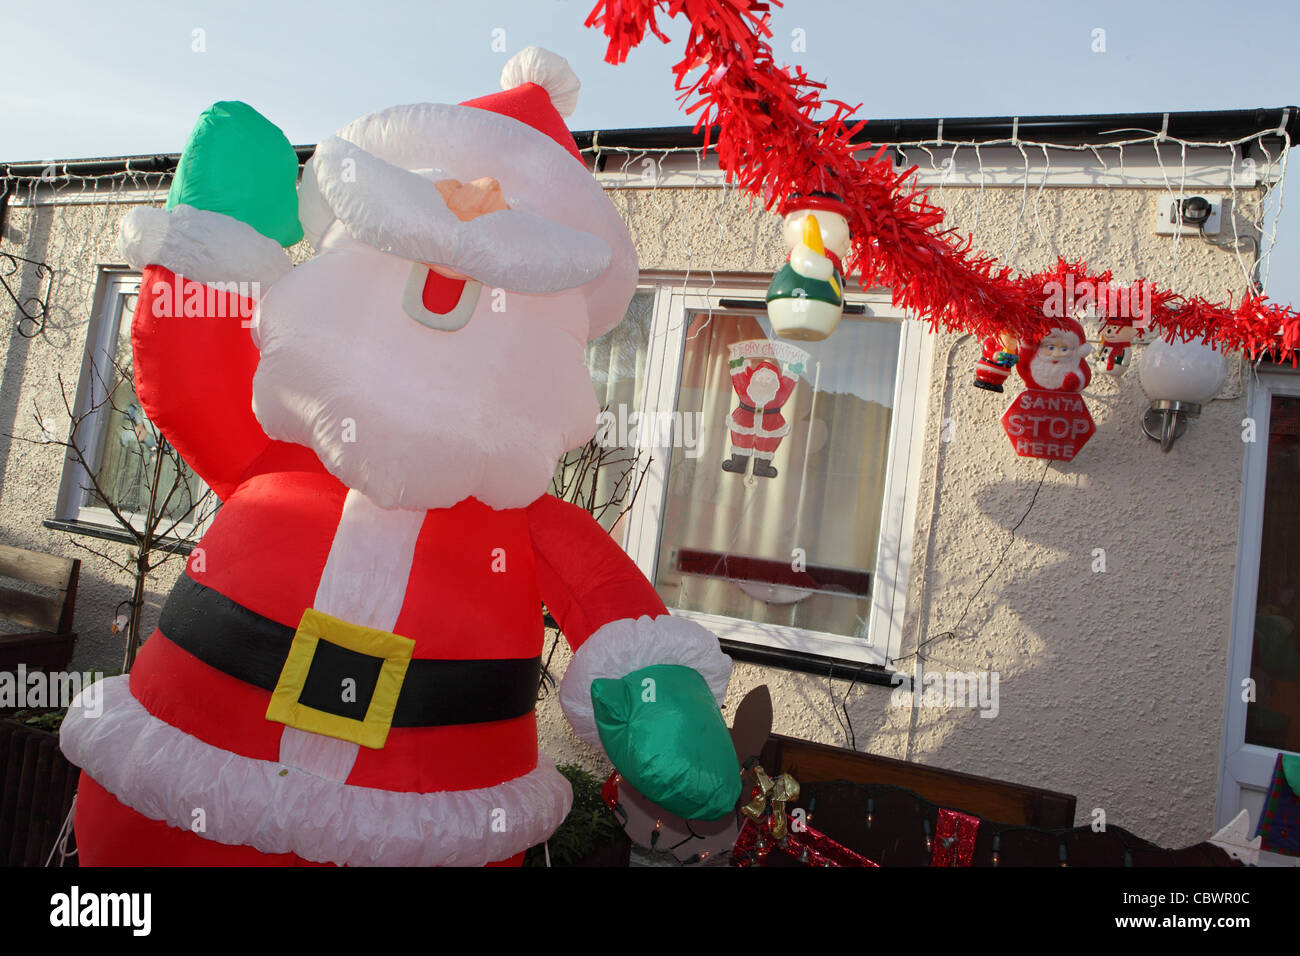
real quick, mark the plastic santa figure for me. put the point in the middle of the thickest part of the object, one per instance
(806, 297)
(998, 356)
(1057, 362)
(757, 425)
(346, 671)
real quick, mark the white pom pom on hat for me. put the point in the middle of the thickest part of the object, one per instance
(548, 70)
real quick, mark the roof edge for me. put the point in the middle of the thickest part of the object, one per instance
(1099, 128)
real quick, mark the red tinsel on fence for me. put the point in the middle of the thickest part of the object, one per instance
(770, 144)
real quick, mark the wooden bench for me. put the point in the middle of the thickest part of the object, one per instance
(992, 799)
(44, 639)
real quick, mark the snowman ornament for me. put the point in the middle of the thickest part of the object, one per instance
(806, 297)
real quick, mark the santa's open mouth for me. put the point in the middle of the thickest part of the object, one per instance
(439, 301)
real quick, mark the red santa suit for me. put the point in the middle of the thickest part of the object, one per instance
(190, 761)
(757, 425)
(994, 364)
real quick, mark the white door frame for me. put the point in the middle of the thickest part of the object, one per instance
(1247, 767)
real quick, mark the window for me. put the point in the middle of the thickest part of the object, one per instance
(778, 493)
(118, 443)
(1273, 717)
(606, 476)
(1262, 716)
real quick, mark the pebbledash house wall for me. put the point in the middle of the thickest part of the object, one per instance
(1112, 684)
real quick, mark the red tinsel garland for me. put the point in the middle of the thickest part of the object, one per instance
(769, 144)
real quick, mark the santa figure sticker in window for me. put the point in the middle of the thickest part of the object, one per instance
(806, 297)
(764, 375)
(1049, 418)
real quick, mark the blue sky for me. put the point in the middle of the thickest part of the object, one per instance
(93, 79)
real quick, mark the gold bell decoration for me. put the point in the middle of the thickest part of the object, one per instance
(774, 794)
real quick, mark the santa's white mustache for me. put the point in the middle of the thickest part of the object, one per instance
(402, 213)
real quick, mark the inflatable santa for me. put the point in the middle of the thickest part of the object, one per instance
(347, 669)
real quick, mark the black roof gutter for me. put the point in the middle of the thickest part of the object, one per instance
(1207, 125)
(1211, 125)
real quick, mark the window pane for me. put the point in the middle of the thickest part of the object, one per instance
(603, 476)
(787, 532)
(129, 444)
(1273, 718)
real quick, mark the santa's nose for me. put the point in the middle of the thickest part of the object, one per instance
(473, 199)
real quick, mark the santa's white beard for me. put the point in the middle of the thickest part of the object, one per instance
(763, 388)
(1049, 374)
(414, 417)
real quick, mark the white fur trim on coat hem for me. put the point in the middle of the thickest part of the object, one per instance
(629, 644)
(200, 245)
(753, 430)
(165, 774)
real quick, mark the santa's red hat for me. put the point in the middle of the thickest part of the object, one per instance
(375, 179)
(1070, 326)
(537, 88)
(1029, 347)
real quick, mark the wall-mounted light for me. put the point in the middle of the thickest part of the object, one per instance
(1194, 211)
(1189, 215)
(1178, 377)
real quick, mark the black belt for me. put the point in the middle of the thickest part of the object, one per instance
(236, 641)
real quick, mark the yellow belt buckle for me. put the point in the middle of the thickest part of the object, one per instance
(357, 658)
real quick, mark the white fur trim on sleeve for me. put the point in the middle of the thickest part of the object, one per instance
(200, 245)
(626, 645)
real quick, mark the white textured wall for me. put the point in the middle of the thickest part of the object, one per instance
(76, 241)
(1112, 685)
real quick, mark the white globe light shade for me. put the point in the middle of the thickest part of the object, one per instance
(1182, 371)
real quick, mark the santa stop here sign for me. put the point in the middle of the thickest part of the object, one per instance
(1045, 424)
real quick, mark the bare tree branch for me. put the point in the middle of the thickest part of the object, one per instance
(169, 516)
(115, 561)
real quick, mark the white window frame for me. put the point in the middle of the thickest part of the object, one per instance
(907, 432)
(101, 341)
(1246, 769)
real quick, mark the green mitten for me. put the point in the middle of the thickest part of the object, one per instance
(238, 163)
(664, 732)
